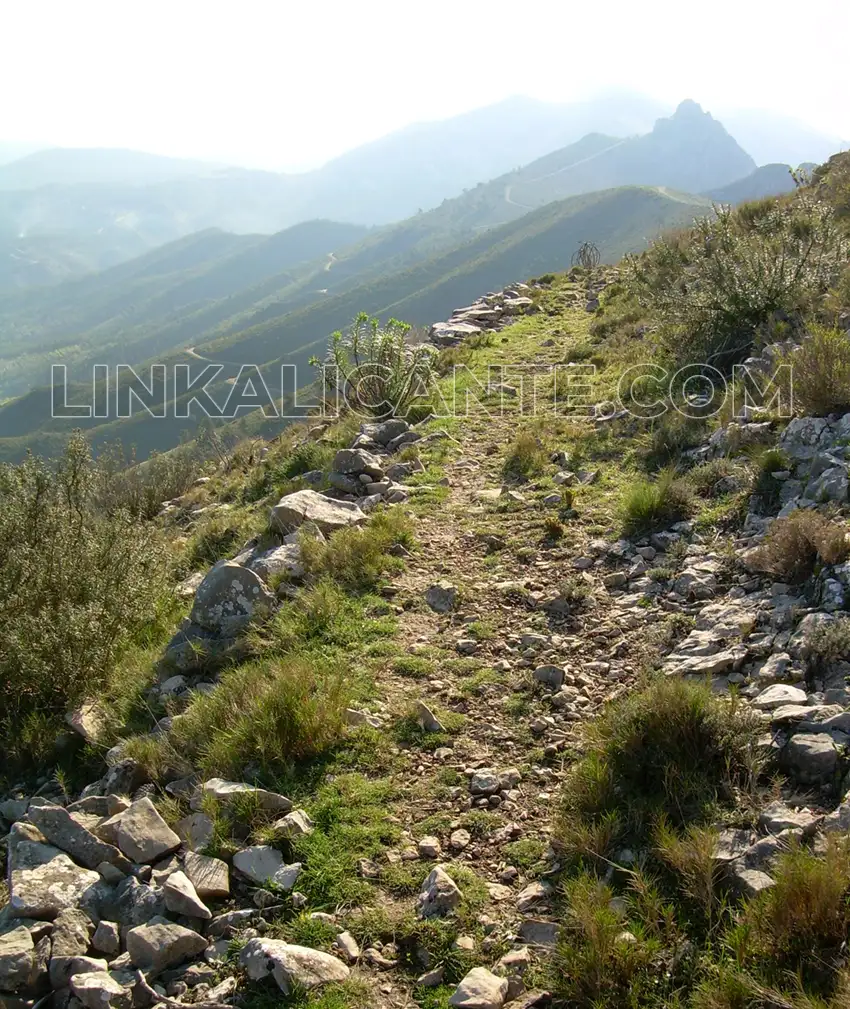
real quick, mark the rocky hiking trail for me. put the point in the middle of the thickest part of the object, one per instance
(418, 864)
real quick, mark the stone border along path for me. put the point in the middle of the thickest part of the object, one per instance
(525, 670)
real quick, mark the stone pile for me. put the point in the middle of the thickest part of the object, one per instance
(492, 312)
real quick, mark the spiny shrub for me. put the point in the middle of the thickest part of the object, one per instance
(78, 586)
(139, 489)
(819, 373)
(796, 544)
(376, 369)
(672, 749)
(526, 457)
(721, 283)
(357, 558)
(649, 505)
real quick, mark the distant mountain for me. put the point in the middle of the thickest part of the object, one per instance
(103, 166)
(770, 137)
(769, 180)
(144, 310)
(11, 150)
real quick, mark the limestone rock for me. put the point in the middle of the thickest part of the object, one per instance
(44, 881)
(227, 791)
(142, 833)
(294, 824)
(181, 897)
(228, 597)
(106, 938)
(777, 695)
(309, 506)
(810, 757)
(290, 965)
(427, 719)
(441, 597)
(158, 946)
(210, 876)
(282, 560)
(64, 831)
(17, 959)
(100, 990)
(261, 864)
(439, 895)
(480, 990)
(196, 830)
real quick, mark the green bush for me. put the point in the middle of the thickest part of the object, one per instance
(649, 505)
(526, 457)
(820, 373)
(375, 368)
(78, 586)
(123, 484)
(720, 284)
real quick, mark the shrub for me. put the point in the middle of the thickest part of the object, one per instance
(672, 435)
(526, 457)
(648, 505)
(307, 456)
(357, 558)
(820, 373)
(765, 487)
(672, 749)
(266, 715)
(77, 587)
(375, 369)
(141, 488)
(796, 544)
(716, 286)
(216, 537)
(829, 640)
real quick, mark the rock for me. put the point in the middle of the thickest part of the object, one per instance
(262, 864)
(347, 945)
(309, 506)
(17, 959)
(432, 979)
(538, 932)
(777, 695)
(427, 719)
(777, 816)
(106, 938)
(749, 882)
(66, 833)
(88, 720)
(439, 894)
(466, 646)
(441, 597)
(354, 461)
(460, 839)
(135, 903)
(838, 819)
(282, 560)
(63, 968)
(228, 597)
(480, 990)
(142, 833)
(811, 758)
(831, 485)
(227, 791)
(517, 961)
(155, 947)
(99, 990)
(429, 847)
(209, 876)
(44, 881)
(195, 830)
(552, 676)
(71, 933)
(484, 781)
(294, 824)
(535, 893)
(290, 965)
(181, 897)
(731, 844)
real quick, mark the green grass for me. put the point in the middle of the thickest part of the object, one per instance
(649, 505)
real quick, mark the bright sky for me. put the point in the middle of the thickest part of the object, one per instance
(280, 84)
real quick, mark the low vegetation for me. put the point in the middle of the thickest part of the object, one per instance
(653, 504)
(795, 545)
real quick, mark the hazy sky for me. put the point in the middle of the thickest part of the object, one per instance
(277, 84)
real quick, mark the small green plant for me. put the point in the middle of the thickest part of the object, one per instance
(553, 528)
(648, 505)
(765, 487)
(526, 457)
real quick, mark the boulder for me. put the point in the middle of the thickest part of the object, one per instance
(142, 833)
(439, 895)
(427, 719)
(107, 938)
(295, 509)
(135, 903)
(386, 431)
(282, 560)
(354, 461)
(289, 965)
(811, 758)
(62, 829)
(155, 947)
(778, 695)
(228, 597)
(480, 990)
(88, 720)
